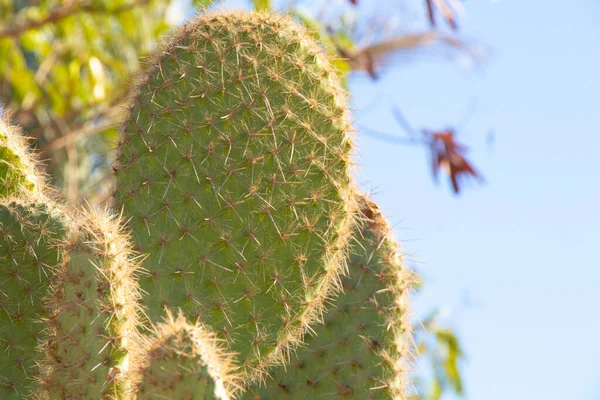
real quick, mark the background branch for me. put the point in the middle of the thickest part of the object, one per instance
(63, 12)
(89, 128)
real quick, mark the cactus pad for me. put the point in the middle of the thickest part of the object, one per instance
(17, 174)
(184, 361)
(362, 349)
(234, 166)
(29, 251)
(94, 304)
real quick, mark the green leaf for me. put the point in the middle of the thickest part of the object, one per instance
(320, 32)
(201, 3)
(32, 40)
(436, 391)
(454, 354)
(262, 4)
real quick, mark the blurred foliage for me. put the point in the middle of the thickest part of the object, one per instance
(64, 72)
(438, 351)
(65, 69)
(329, 39)
(260, 5)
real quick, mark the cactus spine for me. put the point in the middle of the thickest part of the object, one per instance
(234, 165)
(30, 238)
(184, 361)
(95, 309)
(362, 349)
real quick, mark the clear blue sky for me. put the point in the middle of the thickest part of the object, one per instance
(521, 247)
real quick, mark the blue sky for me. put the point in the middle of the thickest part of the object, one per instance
(520, 248)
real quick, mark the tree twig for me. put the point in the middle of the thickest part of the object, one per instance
(389, 138)
(63, 12)
(71, 177)
(111, 115)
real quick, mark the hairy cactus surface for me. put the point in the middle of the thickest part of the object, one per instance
(17, 173)
(234, 166)
(94, 304)
(362, 349)
(185, 361)
(234, 172)
(30, 237)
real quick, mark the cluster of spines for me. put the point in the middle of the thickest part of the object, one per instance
(235, 165)
(362, 348)
(95, 308)
(179, 360)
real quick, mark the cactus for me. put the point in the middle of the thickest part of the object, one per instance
(17, 174)
(185, 361)
(234, 166)
(362, 348)
(30, 237)
(94, 314)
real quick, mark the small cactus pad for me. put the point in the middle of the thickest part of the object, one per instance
(234, 166)
(362, 349)
(30, 234)
(17, 174)
(94, 304)
(184, 361)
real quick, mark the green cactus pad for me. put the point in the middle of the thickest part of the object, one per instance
(234, 166)
(184, 361)
(94, 304)
(362, 349)
(30, 234)
(17, 174)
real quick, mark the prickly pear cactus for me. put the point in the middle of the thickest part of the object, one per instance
(30, 238)
(362, 349)
(94, 314)
(17, 173)
(234, 166)
(185, 361)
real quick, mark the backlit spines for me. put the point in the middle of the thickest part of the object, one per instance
(18, 175)
(94, 314)
(362, 350)
(234, 166)
(31, 238)
(234, 172)
(180, 360)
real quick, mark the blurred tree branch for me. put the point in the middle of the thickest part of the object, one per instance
(65, 11)
(90, 127)
(446, 153)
